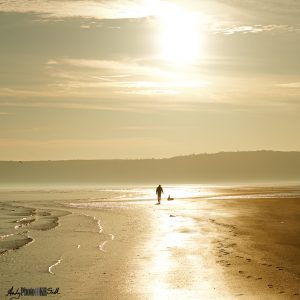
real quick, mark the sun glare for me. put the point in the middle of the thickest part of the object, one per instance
(180, 37)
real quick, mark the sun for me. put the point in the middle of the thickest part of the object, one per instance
(180, 36)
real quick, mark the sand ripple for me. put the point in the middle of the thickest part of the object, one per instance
(16, 221)
(14, 242)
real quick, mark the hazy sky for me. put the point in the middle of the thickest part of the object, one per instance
(147, 78)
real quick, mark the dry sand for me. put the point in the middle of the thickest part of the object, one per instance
(181, 249)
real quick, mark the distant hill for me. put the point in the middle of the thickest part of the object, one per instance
(224, 167)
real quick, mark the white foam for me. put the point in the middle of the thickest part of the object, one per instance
(22, 219)
(52, 266)
(20, 222)
(99, 224)
(112, 237)
(104, 205)
(32, 240)
(6, 236)
(100, 231)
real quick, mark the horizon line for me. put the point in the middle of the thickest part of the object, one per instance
(152, 158)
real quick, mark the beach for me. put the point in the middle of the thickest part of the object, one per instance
(234, 243)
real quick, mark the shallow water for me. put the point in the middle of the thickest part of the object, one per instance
(23, 210)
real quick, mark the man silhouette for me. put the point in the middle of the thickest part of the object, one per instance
(159, 190)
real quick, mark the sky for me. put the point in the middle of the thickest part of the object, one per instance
(105, 79)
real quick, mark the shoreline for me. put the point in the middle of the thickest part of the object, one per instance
(187, 248)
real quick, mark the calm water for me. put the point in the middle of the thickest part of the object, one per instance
(41, 208)
(144, 193)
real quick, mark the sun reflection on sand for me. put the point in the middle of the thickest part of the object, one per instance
(178, 269)
(163, 262)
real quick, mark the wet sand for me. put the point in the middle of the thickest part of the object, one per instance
(258, 247)
(181, 249)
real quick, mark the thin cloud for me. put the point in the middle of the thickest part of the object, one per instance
(6, 142)
(127, 67)
(118, 9)
(70, 105)
(18, 92)
(253, 29)
(149, 92)
(85, 26)
(136, 87)
(278, 7)
(289, 85)
(52, 62)
(127, 77)
(137, 106)
(133, 9)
